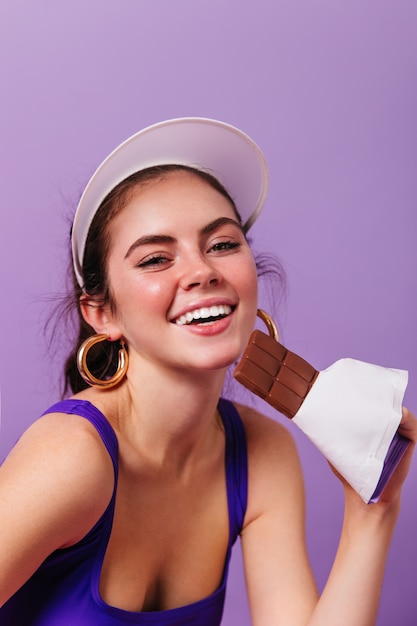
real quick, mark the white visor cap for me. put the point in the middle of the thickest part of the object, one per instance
(215, 147)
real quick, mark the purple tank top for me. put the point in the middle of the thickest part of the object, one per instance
(64, 591)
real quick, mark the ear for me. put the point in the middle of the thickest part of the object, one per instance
(100, 317)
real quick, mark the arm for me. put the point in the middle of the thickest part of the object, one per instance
(279, 580)
(280, 584)
(354, 586)
(54, 486)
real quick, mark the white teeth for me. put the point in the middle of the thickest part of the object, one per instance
(204, 313)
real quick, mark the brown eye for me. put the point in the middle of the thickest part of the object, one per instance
(223, 246)
(153, 261)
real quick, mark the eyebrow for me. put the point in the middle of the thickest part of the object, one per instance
(149, 239)
(221, 221)
(160, 239)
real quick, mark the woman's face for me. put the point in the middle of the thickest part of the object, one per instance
(182, 276)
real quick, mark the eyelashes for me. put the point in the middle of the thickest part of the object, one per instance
(223, 246)
(155, 260)
(159, 260)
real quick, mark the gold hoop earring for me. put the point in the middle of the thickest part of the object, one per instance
(270, 324)
(85, 373)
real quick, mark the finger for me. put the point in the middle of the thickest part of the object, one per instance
(408, 425)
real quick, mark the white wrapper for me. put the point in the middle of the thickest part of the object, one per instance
(351, 414)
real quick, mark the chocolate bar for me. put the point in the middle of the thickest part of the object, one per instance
(277, 375)
(354, 425)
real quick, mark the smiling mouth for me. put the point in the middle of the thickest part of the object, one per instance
(205, 315)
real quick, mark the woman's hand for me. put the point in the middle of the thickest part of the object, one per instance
(408, 429)
(390, 497)
(352, 592)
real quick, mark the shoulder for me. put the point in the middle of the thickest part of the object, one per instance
(275, 476)
(63, 438)
(54, 486)
(265, 435)
(61, 462)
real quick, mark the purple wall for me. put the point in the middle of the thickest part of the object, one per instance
(329, 91)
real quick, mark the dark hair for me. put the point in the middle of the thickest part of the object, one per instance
(103, 359)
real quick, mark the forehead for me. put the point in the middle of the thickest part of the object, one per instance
(169, 199)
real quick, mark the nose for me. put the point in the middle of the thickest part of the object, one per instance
(199, 272)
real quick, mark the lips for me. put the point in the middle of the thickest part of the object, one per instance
(204, 315)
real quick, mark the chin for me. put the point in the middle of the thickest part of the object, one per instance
(220, 363)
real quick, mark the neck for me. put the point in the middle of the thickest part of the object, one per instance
(169, 417)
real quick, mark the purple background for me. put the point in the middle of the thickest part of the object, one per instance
(327, 88)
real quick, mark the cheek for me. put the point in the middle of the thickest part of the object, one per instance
(156, 298)
(153, 289)
(135, 293)
(252, 291)
(249, 279)
(150, 296)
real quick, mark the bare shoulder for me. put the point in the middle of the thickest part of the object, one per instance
(263, 433)
(54, 486)
(275, 476)
(62, 460)
(60, 438)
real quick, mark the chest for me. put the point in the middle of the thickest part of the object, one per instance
(169, 540)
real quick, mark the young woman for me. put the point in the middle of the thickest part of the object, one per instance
(121, 504)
